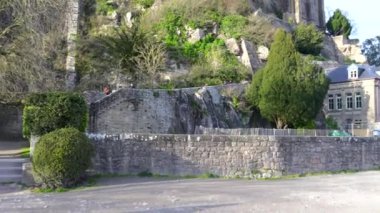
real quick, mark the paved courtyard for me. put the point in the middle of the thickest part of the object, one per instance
(358, 192)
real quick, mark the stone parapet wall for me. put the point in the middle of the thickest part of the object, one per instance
(177, 111)
(232, 156)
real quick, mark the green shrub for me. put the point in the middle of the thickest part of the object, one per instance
(46, 112)
(217, 67)
(61, 158)
(201, 48)
(104, 8)
(144, 3)
(308, 39)
(234, 25)
(331, 123)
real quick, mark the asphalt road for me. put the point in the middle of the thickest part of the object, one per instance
(358, 192)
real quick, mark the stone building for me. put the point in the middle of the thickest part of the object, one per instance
(350, 48)
(353, 98)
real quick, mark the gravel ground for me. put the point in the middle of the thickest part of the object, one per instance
(358, 192)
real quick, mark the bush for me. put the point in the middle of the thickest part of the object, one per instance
(103, 8)
(61, 158)
(308, 39)
(144, 3)
(217, 67)
(331, 123)
(46, 112)
(234, 25)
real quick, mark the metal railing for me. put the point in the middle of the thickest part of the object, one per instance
(284, 132)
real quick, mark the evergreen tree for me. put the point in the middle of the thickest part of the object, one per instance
(338, 24)
(289, 90)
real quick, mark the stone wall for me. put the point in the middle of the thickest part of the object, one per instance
(350, 48)
(177, 111)
(232, 156)
(10, 122)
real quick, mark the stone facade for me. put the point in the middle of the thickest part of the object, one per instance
(353, 98)
(10, 122)
(356, 118)
(232, 156)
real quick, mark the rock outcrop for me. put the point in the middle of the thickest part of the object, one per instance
(263, 53)
(233, 46)
(331, 51)
(249, 56)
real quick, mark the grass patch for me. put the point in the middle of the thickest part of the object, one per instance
(311, 174)
(25, 152)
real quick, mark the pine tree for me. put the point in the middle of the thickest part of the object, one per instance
(338, 24)
(288, 90)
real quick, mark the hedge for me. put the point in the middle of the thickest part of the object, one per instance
(47, 112)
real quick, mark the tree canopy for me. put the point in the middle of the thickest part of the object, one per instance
(371, 49)
(289, 90)
(338, 24)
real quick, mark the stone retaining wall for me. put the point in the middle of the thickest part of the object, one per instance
(232, 156)
(10, 122)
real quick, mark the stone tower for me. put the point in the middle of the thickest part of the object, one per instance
(308, 11)
(300, 11)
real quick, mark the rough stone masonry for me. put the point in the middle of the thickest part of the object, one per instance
(232, 156)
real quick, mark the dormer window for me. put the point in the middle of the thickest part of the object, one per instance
(353, 72)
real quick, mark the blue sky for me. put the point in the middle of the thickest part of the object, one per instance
(364, 14)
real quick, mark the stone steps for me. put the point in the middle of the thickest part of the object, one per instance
(11, 169)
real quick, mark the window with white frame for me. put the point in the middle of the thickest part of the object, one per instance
(349, 101)
(354, 74)
(331, 102)
(339, 102)
(353, 71)
(358, 100)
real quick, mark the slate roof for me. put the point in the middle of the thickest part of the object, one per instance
(340, 74)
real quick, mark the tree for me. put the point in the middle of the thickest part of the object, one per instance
(289, 90)
(150, 60)
(32, 45)
(371, 49)
(338, 24)
(308, 39)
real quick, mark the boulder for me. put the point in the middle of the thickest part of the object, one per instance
(249, 57)
(196, 35)
(128, 19)
(233, 46)
(263, 52)
(215, 28)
